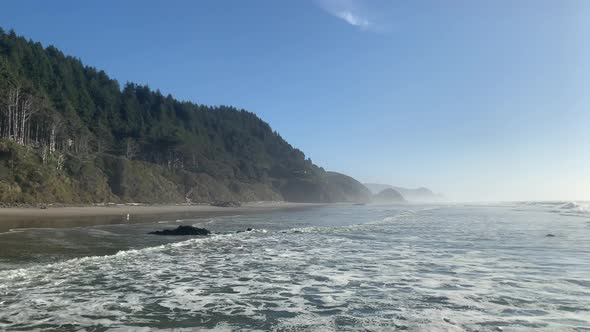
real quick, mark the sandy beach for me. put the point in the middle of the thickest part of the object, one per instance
(57, 217)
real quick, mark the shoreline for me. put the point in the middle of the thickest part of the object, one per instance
(17, 218)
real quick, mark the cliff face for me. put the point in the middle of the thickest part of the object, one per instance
(343, 188)
(72, 134)
(331, 188)
(25, 178)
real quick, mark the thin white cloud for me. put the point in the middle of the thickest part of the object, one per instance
(350, 11)
(353, 19)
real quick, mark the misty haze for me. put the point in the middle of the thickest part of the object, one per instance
(309, 165)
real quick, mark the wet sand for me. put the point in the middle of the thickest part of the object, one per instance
(65, 217)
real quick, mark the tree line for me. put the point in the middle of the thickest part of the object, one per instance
(54, 103)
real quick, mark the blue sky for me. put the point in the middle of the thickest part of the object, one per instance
(479, 100)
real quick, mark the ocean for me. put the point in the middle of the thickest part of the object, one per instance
(502, 267)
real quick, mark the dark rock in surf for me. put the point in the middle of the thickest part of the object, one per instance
(183, 230)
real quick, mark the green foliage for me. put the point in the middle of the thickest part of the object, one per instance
(221, 141)
(135, 144)
(135, 181)
(25, 179)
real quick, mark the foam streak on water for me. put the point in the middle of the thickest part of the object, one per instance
(445, 269)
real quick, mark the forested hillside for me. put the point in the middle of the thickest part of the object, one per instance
(72, 134)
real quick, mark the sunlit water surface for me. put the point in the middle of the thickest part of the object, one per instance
(368, 268)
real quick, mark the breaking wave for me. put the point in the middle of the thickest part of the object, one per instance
(576, 208)
(579, 207)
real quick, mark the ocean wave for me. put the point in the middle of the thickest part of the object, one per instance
(403, 271)
(581, 207)
(571, 208)
(575, 208)
(123, 254)
(387, 220)
(175, 246)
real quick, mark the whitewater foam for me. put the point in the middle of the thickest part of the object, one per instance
(443, 270)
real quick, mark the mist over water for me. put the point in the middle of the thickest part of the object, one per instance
(344, 268)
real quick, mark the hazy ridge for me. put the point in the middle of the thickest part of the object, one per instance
(421, 194)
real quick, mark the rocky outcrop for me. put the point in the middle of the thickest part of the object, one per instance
(183, 230)
(411, 195)
(389, 196)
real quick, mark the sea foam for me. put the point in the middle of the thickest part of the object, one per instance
(453, 269)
